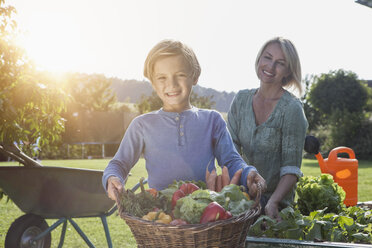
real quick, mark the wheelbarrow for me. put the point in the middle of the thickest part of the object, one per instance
(46, 192)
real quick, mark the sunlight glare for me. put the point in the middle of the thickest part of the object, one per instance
(52, 42)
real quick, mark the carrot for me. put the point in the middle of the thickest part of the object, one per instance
(210, 179)
(225, 177)
(236, 177)
(219, 183)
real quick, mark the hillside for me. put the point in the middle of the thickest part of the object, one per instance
(132, 90)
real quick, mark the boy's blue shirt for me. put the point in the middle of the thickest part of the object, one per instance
(176, 146)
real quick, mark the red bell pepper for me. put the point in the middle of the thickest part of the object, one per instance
(188, 188)
(184, 190)
(177, 195)
(214, 212)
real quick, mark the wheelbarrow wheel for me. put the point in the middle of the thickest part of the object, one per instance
(24, 229)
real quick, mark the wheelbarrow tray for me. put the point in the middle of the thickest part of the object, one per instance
(55, 192)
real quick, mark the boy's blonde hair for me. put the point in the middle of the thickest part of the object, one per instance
(167, 48)
(292, 59)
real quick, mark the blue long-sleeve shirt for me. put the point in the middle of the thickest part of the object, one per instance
(176, 146)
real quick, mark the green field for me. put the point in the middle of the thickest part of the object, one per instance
(120, 233)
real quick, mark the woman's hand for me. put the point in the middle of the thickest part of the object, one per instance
(285, 185)
(272, 210)
(217, 182)
(254, 182)
(114, 184)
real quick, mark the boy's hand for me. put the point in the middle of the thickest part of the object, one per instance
(255, 181)
(216, 183)
(114, 184)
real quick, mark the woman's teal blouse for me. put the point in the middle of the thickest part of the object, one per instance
(274, 147)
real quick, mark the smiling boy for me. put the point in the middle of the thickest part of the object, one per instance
(179, 140)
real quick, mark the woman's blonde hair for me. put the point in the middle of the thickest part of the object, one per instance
(292, 59)
(166, 48)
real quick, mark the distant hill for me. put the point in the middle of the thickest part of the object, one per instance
(132, 90)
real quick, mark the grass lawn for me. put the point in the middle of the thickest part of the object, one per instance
(120, 233)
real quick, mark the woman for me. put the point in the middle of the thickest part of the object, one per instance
(268, 124)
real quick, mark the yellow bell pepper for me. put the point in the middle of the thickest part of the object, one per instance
(246, 195)
(158, 217)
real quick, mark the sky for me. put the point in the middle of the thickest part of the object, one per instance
(113, 37)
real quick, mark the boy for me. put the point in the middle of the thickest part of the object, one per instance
(178, 141)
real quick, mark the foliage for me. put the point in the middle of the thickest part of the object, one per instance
(153, 102)
(89, 92)
(204, 102)
(86, 94)
(311, 189)
(30, 105)
(119, 231)
(351, 225)
(149, 103)
(362, 141)
(338, 90)
(313, 116)
(337, 106)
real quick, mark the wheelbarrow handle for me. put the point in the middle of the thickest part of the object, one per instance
(15, 153)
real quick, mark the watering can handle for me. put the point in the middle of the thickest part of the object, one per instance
(341, 149)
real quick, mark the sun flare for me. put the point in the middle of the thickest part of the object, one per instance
(52, 42)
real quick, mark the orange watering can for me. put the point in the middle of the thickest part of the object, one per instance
(343, 170)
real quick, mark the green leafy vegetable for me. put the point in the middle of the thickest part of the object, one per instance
(138, 204)
(231, 198)
(190, 209)
(316, 193)
(317, 226)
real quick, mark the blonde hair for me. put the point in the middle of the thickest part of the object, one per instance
(167, 48)
(292, 59)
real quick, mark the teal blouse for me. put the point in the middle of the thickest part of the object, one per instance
(275, 147)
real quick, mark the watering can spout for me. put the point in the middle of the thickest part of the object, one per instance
(322, 165)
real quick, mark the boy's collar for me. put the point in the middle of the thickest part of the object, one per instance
(183, 113)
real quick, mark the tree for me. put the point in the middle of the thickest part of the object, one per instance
(30, 105)
(153, 102)
(313, 116)
(338, 90)
(340, 99)
(89, 92)
(90, 97)
(201, 101)
(149, 103)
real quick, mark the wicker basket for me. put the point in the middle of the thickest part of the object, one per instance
(224, 233)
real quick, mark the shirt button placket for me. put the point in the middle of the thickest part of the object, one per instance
(181, 132)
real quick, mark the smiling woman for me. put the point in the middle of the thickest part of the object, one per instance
(52, 40)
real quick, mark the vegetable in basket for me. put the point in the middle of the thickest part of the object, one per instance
(158, 217)
(213, 212)
(178, 222)
(138, 204)
(184, 190)
(190, 208)
(153, 192)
